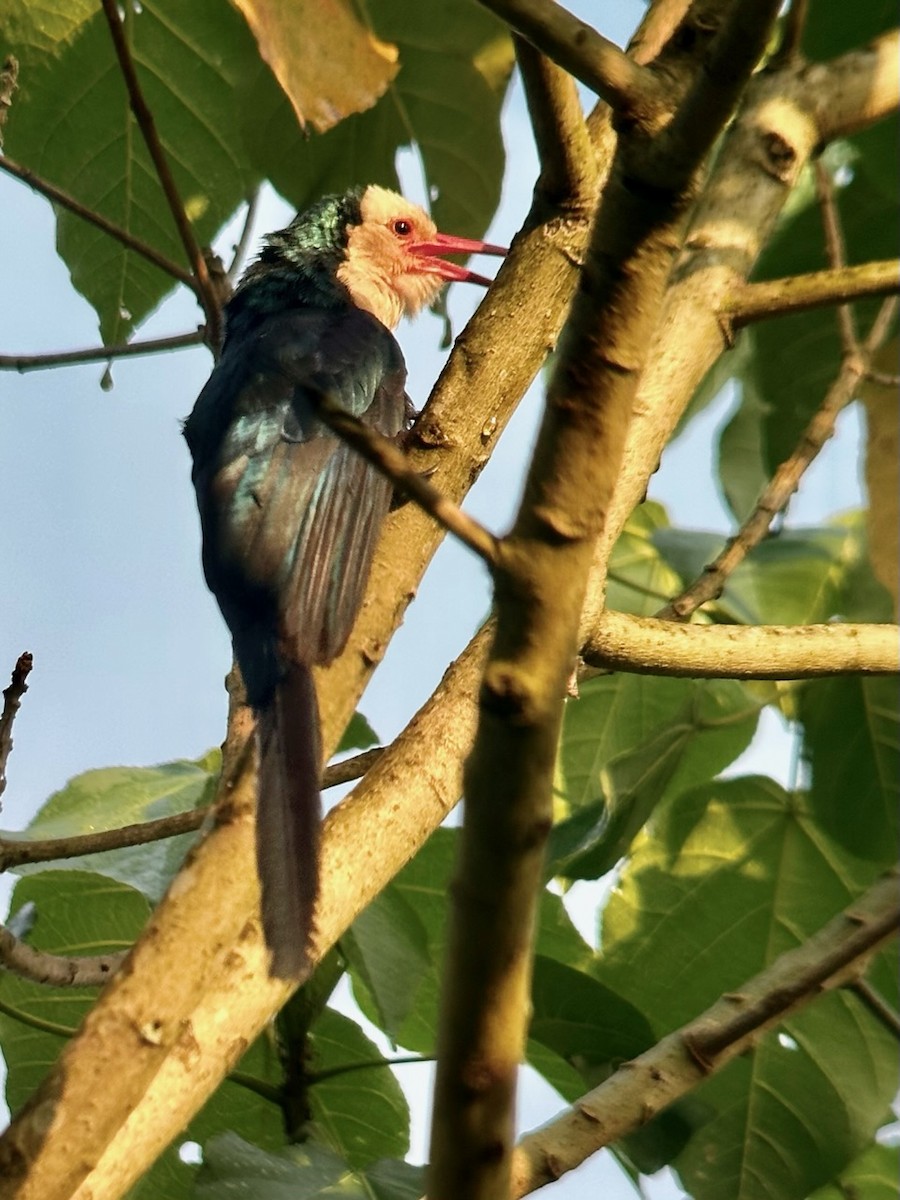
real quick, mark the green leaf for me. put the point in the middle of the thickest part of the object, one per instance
(795, 359)
(872, 1176)
(115, 796)
(852, 741)
(76, 914)
(741, 459)
(640, 579)
(238, 1170)
(387, 947)
(584, 1021)
(362, 1114)
(628, 742)
(359, 735)
(424, 884)
(795, 577)
(834, 29)
(455, 61)
(728, 877)
(73, 125)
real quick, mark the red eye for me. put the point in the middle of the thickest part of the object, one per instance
(401, 227)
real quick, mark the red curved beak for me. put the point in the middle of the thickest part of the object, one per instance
(432, 254)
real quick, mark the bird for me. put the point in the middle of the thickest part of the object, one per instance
(290, 514)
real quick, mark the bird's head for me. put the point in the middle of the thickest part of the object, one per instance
(394, 262)
(383, 249)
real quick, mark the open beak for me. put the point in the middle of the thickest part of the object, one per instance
(432, 254)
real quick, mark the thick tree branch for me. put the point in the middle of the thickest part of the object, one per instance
(58, 196)
(856, 89)
(837, 954)
(649, 646)
(9, 81)
(631, 91)
(143, 115)
(41, 362)
(818, 289)
(12, 701)
(540, 581)
(783, 121)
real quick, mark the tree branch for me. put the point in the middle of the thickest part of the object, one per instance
(630, 90)
(57, 196)
(877, 1005)
(640, 1089)
(540, 580)
(16, 851)
(783, 484)
(12, 701)
(53, 969)
(9, 81)
(567, 157)
(243, 242)
(817, 289)
(650, 646)
(144, 117)
(854, 90)
(40, 362)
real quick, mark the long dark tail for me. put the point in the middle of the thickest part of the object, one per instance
(288, 819)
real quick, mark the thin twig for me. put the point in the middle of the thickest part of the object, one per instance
(56, 970)
(40, 362)
(816, 289)
(12, 699)
(240, 249)
(390, 460)
(16, 852)
(314, 1077)
(147, 126)
(877, 1005)
(835, 250)
(783, 484)
(94, 218)
(883, 379)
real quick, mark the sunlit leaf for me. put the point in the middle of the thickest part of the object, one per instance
(328, 64)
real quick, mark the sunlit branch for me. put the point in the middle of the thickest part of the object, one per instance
(648, 645)
(646, 1085)
(817, 289)
(56, 970)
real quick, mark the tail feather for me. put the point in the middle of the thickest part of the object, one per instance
(288, 819)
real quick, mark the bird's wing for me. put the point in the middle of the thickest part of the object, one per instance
(290, 513)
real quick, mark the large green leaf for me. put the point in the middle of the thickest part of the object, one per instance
(640, 580)
(72, 124)
(872, 1176)
(455, 60)
(852, 740)
(795, 577)
(425, 885)
(729, 876)
(115, 796)
(233, 1168)
(628, 742)
(362, 1113)
(75, 913)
